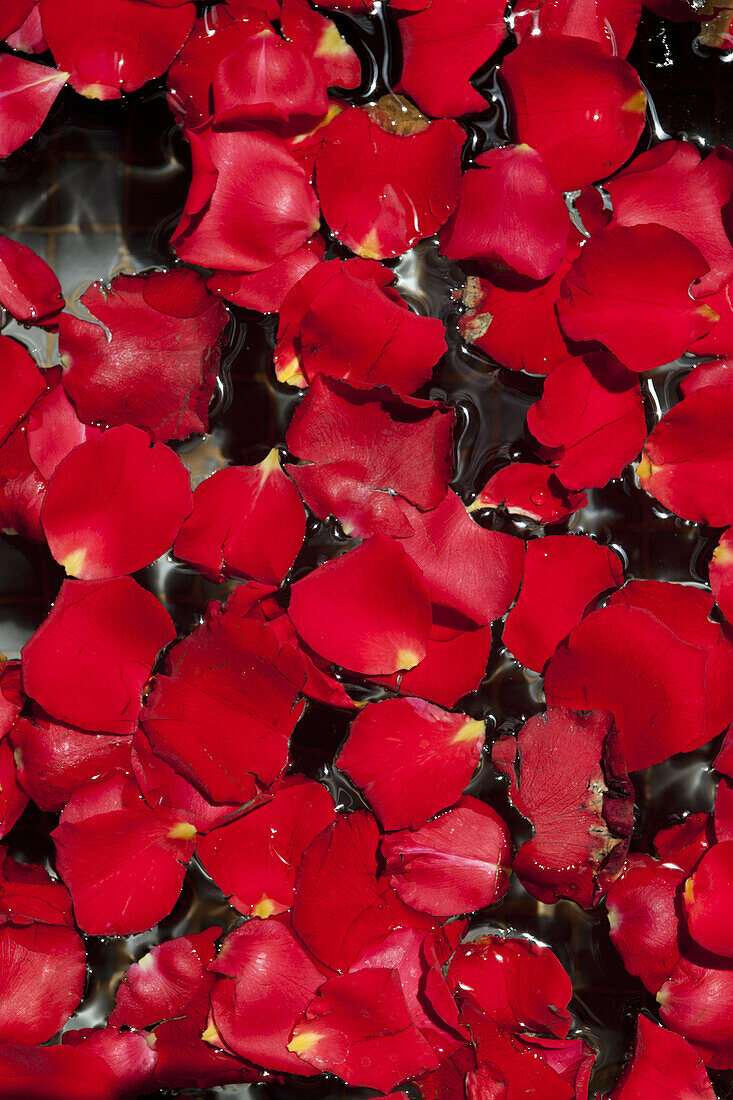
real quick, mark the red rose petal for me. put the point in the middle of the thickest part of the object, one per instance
(29, 36)
(652, 658)
(56, 1073)
(268, 980)
(378, 340)
(42, 972)
(14, 14)
(368, 610)
(27, 93)
(670, 185)
(706, 901)
(29, 894)
(406, 184)
(562, 575)
(663, 1064)
(124, 866)
(468, 569)
(341, 902)
(114, 46)
(683, 845)
(236, 513)
(403, 447)
(572, 1059)
(23, 384)
(629, 289)
(410, 759)
(359, 1027)
(643, 919)
(266, 290)
(88, 662)
(591, 410)
(454, 864)
(250, 203)
(54, 759)
(508, 1065)
(21, 490)
(254, 860)
(158, 370)
(567, 777)
(512, 177)
(517, 983)
(686, 462)
(13, 798)
(224, 709)
(611, 23)
(333, 58)
(53, 429)
(132, 1058)
(28, 287)
(602, 105)
(115, 504)
(697, 1002)
(528, 490)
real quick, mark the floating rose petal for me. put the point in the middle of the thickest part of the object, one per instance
(359, 1027)
(567, 777)
(28, 894)
(629, 289)
(468, 569)
(88, 661)
(572, 1059)
(247, 521)
(29, 36)
(562, 575)
(517, 983)
(13, 797)
(123, 865)
(652, 657)
(442, 47)
(610, 23)
(366, 446)
(12, 697)
(223, 711)
(454, 864)
(342, 903)
(54, 759)
(643, 918)
(406, 183)
(378, 341)
(591, 410)
(21, 489)
(663, 1064)
(23, 384)
(28, 287)
(670, 185)
(706, 900)
(56, 1073)
(132, 1058)
(42, 972)
(254, 860)
(114, 46)
(411, 759)
(115, 504)
(270, 83)
(580, 108)
(14, 14)
(688, 458)
(267, 981)
(716, 373)
(158, 370)
(527, 490)
(53, 429)
(684, 844)
(508, 1068)
(697, 1002)
(333, 58)
(513, 177)
(27, 93)
(250, 203)
(266, 290)
(368, 610)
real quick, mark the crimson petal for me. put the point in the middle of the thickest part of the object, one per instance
(610, 23)
(706, 901)
(697, 1002)
(643, 918)
(28, 287)
(27, 93)
(42, 973)
(663, 1064)
(721, 574)
(23, 383)
(334, 60)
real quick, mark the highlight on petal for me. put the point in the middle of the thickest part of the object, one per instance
(42, 972)
(368, 610)
(133, 1058)
(334, 60)
(254, 859)
(159, 368)
(115, 504)
(27, 93)
(28, 287)
(88, 661)
(525, 489)
(652, 657)
(443, 44)
(406, 183)
(562, 575)
(567, 777)
(696, 1002)
(662, 1064)
(610, 23)
(629, 290)
(721, 574)
(410, 759)
(514, 177)
(235, 513)
(114, 46)
(601, 106)
(705, 900)
(454, 864)
(686, 461)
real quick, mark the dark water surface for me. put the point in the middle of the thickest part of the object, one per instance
(99, 191)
